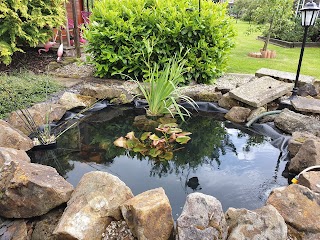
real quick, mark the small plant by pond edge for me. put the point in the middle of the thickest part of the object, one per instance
(152, 145)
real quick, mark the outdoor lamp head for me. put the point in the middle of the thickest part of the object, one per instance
(309, 14)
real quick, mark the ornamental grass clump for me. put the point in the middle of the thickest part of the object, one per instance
(162, 92)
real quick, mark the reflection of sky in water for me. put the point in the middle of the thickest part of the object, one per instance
(242, 180)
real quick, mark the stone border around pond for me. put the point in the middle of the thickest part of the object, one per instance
(103, 207)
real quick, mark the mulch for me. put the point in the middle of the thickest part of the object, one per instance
(30, 60)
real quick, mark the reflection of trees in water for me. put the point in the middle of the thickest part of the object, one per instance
(94, 143)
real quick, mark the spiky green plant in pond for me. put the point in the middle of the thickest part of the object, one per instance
(161, 90)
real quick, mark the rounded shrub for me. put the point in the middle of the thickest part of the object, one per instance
(126, 37)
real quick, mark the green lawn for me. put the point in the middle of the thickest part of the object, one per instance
(286, 59)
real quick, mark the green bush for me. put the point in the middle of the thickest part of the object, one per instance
(119, 31)
(27, 22)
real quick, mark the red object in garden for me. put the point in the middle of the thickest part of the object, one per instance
(47, 46)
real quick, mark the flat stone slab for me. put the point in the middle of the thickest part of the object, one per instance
(304, 104)
(284, 76)
(261, 91)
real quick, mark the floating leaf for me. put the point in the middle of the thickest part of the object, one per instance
(183, 139)
(154, 152)
(145, 136)
(167, 155)
(130, 135)
(121, 142)
(154, 137)
(184, 134)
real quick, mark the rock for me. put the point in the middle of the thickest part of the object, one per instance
(93, 204)
(307, 90)
(15, 230)
(261, 91)
(100, 91)
(307, 156)
(310, 180)
(13, 138)
(305, 104)
(149, 215)
(290, 122)
(43, 228)
(123, 98)
(300, 208)
(204, 95)
(227, 82)
(41, 113)
(264, 223)
(227, 102)
(202, 218)
(238, 114)
(284, 76)
(10, 154)
(71, 100)
(29, 190)
(117, 230)
(296, 141)
(256, 112)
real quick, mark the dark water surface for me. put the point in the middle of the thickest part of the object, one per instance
(237, 167)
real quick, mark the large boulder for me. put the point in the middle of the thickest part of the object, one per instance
(149, 215)
(238, 114)
(202, 218)
(29, 190)
(310, 180)
(93, 205)
(10, 154)
(289, 122)
(13, 138)
(307, 156)
(71, 100)
(264, 223)
(296, 141)
(39, 114)
(300, 208)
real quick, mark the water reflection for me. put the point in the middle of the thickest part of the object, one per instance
(236, 167)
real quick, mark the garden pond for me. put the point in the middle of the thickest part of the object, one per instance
(230, 162)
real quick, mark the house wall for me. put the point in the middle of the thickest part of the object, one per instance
(79, 8)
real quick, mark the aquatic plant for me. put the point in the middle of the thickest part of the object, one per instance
(161, 90)
(152, 145)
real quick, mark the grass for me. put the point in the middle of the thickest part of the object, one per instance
(286, 59)
(21, 90)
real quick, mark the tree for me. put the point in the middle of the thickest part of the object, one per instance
(27, 22)
(272, 13)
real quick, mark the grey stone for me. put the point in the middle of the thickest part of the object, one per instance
(264, 223)
(310, 180)
(300, 208)
(231, 81)
(94, 203)
(14, 230)
(307, 156)
(289, 122)
(40, 113)
(296, 141)
(261, 91)
(10, 154)
(202, 218)
(29, 189)
(101, 91)
(227, 102)
(45, 225)
(284, 76)
(71, 100)
(256, 112)
(238, 114)
(149, 215)
(13, 138)
(304, 104)
(307, 90)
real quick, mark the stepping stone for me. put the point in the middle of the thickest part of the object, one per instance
(261, 91)
(284, 76)
(304, 104)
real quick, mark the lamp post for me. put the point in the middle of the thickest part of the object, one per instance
(309, 14)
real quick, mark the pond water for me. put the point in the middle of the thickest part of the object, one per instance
(236, 166)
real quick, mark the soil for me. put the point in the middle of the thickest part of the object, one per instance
(30, 60)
